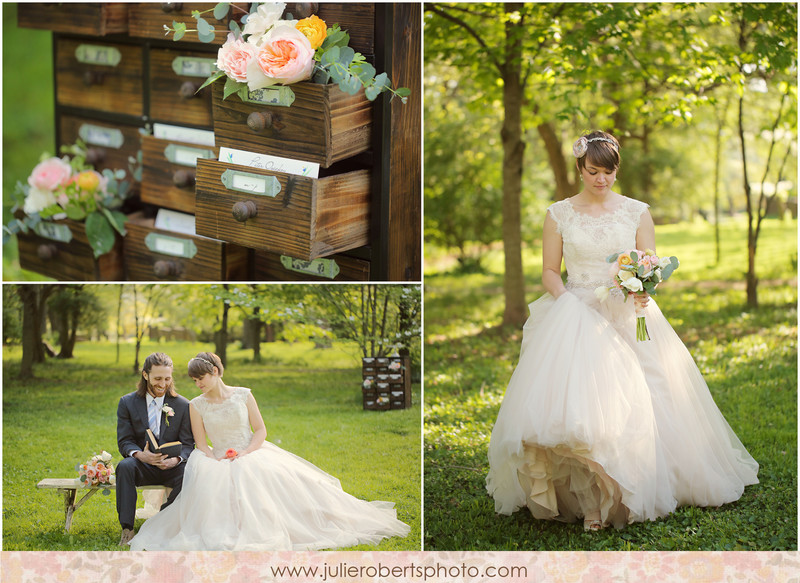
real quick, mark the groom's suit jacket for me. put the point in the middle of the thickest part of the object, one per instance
(132, 424)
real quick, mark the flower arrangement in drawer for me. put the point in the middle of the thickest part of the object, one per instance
(271, 50)
(70, 188)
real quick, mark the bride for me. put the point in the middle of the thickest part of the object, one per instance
(594, 424)
(248, 494)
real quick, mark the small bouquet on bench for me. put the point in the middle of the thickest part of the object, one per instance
(97, 471)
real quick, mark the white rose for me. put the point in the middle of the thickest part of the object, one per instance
(624, 274)
(633, 284)
(37, 200)
(105, 456)
(601, 293)
(664, 262)
(658, 274)
(262, 20)
(112, 479)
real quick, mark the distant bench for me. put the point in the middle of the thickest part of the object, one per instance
(69, 487)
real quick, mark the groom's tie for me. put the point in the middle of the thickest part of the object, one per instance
(153, 416)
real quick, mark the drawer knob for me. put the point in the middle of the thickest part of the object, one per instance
(258, 121)
(188, 89)
(95, 156)
(306, 9)
(47, 251)
(93, 78)
(183, 178)
(244, 210)
(164, 269)
(171, 6)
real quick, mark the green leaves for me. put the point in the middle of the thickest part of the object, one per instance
(221, 10)
(100, 233)
(205, 32)
(231, 87)
(180, 30)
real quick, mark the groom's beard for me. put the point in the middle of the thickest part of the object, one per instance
(156, 393)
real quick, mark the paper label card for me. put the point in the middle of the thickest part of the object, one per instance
(267, 162)
(181, 134)
(101, 136)
(98, 55)
(167, 220)
(166, 245)
(193, 66)
(251, 183)
(186, 156)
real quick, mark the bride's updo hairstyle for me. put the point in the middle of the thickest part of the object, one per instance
(204, 364)
(601, 149)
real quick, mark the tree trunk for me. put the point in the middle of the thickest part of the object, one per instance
(513, 149)
(752, 280)
(32, 297)
(221, 345)
(558, 163)
(138, 333)
(255, 334)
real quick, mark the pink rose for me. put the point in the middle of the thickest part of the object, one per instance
(285, 57)
(233, 58)
(50, 174)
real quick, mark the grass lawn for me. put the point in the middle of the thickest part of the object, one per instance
(310, 401)
(748, 358)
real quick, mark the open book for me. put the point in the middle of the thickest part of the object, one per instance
(171, 449)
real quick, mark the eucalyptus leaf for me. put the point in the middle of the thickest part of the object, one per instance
(221, 10)
(350, 84)
(382, 80)
(346, 55)
(180, 30)
(634, 256)
(322, 76)
(100, 233)
(372, 92)
(205, 32)
(364, 71)
(403, 92)
(330, 56)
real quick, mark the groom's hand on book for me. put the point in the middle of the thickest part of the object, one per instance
(148, 457)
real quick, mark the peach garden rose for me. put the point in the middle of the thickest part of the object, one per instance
(50, 174)
(234, 56)
(285, 57)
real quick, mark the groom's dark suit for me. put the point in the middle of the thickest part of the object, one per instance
(132, 425)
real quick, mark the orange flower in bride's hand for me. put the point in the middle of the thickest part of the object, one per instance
(231, 453)
(315, 30)
(624, 259)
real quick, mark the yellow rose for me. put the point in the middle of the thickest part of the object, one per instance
(624, 259)
(315, 30)
(88, 180)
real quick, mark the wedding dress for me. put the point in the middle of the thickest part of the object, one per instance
(269, 499)
(594, 419)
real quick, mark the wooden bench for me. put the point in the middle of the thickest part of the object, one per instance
(69, 487)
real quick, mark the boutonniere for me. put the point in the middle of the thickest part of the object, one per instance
(169, 412)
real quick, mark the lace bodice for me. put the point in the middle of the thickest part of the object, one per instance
(227, 423)
(588, 240)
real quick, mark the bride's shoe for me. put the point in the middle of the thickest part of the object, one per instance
(592, 525)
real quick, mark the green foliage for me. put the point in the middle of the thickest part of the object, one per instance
(748, 357)
(311, 409)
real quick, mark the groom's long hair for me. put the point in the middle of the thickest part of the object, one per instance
(155, 359)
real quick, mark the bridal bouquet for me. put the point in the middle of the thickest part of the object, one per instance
(638, 272)
(270, 50)
(97, 471)
(68, 187)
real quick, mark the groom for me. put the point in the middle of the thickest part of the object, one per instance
(154, 405)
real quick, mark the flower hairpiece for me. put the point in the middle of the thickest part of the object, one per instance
(203, 359)
(581, 145)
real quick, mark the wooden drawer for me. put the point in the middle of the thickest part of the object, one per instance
(153, 254)
(83, 80)
(272, 267)
(307, 217)
(147, 19)
(323, 124)
(175, 76)
(357, 18)
(61, 250)
(168, 175)
(110, 144)
(75, 18)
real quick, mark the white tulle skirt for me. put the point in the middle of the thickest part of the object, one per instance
(593, 419)
(267, 500)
